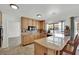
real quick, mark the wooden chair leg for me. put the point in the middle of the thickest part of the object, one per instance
(61, 52)
(56, 52)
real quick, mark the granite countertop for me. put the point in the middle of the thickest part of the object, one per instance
(56, 43)
(29, 33)
(25, 33)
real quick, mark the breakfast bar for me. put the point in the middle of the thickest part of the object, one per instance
(50, 45)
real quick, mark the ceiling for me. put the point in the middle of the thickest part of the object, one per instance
(49, 12)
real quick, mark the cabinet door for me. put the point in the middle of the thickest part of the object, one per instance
(24, 23)
(31, 38)
(29, 22)
(38, 25)
(37, 36)
(43, 35)
(27, 39)
(42, 25)
(40, 50)
(33, 22)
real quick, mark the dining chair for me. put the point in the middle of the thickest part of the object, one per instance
(71, 42)
(71, 48)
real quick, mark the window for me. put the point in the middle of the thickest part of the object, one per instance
(56, 26)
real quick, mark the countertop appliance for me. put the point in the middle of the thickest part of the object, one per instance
(31, 28)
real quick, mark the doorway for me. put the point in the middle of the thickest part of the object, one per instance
(1, 30)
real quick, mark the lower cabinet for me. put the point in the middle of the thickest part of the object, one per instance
(42, 35)
(27, 39)
(40, 50)
(37, 36)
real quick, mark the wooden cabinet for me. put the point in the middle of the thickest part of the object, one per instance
(42, 25)
(33, 23)
(24, 40)
(30, 22)
(42, 35)
(37, 36)
(27, 39)
(40, 50)
(24, 23)
(38, 25)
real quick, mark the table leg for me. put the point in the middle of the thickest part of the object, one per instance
(58, 52)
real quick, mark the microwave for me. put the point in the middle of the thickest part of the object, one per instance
(31, 28)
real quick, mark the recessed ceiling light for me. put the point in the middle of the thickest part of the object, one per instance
(38, 15)
(14, 6)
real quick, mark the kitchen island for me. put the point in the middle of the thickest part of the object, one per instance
(29, 37)
(50, 45)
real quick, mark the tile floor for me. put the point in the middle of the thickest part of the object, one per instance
(22, 50)
(19, 50)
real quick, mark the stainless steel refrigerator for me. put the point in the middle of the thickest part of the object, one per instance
(1, 30)
(1, 35)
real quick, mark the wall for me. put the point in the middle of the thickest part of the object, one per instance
(67, 21)
(5, 36)
(0, 18)
(11, 29)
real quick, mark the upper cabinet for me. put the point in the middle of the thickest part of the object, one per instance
(29, 22)
(0, 18)
(25, 22)
(33, 22)
(42, 24)
(36, 23)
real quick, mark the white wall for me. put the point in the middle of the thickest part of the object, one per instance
(11, 28)
(67, 21)
(5, 36)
